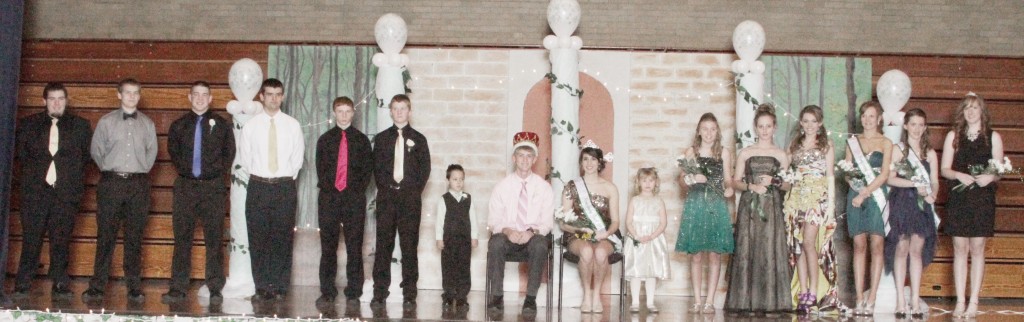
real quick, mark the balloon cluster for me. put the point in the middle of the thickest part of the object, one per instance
(748, 41)
(391, 34)
(245, 78)
(563, 17)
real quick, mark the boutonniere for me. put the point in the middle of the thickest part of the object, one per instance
(409, 144)
(212, 123)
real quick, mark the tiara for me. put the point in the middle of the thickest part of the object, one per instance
(648, 166)
(608, 157)
(972, 94)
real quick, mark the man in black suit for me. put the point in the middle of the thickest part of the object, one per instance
(53, 149)
(202, 148)
(344, 162)
(402, 169)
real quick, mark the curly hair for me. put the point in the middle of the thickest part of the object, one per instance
(798, 135)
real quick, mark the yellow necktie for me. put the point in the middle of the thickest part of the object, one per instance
(272, 148)
(51, 173)
(399, 170)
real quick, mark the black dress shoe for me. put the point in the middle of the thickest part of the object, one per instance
(446, 304)
(136, 295)
(352, 301)
(280, 295)
(262, 295)
(216, 298)
(409, 303)
(497, 303)
(173, 296)
(325, 299)
(92, 294)
(530, 304)
(61, 290)
(377, 303)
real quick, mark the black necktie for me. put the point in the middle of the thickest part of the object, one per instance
(126, 116)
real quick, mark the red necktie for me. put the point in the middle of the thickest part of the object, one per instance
(341, 179)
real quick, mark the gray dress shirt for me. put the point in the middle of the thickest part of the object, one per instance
(124, 145)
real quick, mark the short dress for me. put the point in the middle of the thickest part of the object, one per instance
(807, 203)
(705, 225)
(906, 218)
(647, 260)
(599, 202)
(971, 212)
(866, 219)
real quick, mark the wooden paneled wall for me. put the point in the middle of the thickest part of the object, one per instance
(939, 84)
(91, 70)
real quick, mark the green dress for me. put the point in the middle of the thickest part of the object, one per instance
(868, 217)
(705, 225)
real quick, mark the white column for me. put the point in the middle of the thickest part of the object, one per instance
(564, 48)
(390, 33)
(748, 41)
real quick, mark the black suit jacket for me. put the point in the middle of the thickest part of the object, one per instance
(33, 144)
(417, 159)
(218, 150)
(360, 161)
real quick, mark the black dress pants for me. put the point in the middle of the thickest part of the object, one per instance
(499, 246)
(455, 257)
(339, 211)
(270, 221)
(198, 201)
(45, 212)
(120, 201)
(398, 212)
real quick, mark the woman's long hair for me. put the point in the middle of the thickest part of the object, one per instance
(960, 123)
(798, 136)
(716, 145)
(926, 145)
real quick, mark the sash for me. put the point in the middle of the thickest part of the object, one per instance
(591, 213)
(921, 171)
(869, 176)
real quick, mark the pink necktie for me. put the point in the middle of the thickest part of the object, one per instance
(523, 202)
(341, 179)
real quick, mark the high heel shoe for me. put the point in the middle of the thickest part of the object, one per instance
(901, 313)
(958, 311)
(917, 314)
(859, 310)
(708, 309)
(695, 308)
(972, 310)
(869, 309)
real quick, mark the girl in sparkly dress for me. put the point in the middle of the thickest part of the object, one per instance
(865, 208)
(809, 214)
(705, 230)
(645, 249)
(912, 218)
(759, 272)
(970, 212)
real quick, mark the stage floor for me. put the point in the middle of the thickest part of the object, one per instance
(300, 304)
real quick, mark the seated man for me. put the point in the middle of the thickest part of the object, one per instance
(520, 217)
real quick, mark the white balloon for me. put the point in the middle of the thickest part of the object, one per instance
(563, 17)
(893, 90)
(757, 67)
(550, 41)
(390, 33)
(740, 66)
(748, 40)
(379, 59)
(576, 42)
(245, 78)
(563, 42)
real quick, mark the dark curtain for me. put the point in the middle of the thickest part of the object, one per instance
(11, 23)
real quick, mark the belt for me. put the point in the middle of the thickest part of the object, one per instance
(270, 180)
(393, 186)
(198, 179)
(123, 175)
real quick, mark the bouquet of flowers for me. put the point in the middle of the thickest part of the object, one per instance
(906, 170)
(790, 175)
(569, 217)
(693, 166)
(852, 174)
(994, 166)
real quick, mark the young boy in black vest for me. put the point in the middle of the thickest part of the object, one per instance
(456, 235)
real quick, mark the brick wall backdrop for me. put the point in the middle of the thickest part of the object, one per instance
(669, 93)
(848, 26)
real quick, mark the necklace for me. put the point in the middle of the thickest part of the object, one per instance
(973, 135)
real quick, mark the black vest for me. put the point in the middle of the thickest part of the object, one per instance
(456, 219)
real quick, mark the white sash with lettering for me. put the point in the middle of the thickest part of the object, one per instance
(869, 176)
(921, 171)
(591, 213)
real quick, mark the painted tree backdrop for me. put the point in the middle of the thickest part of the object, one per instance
(313, 76)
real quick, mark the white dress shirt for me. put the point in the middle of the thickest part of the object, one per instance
(254, 146)
(442, 209)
